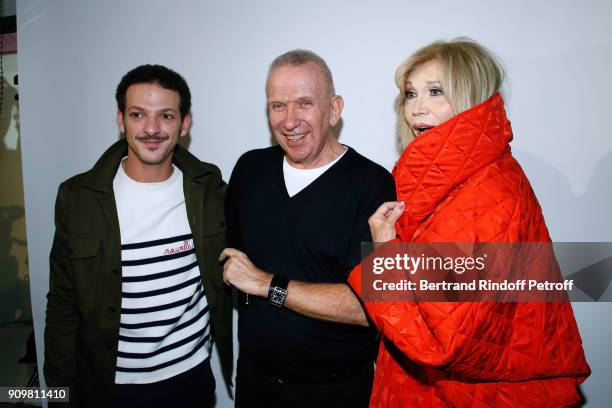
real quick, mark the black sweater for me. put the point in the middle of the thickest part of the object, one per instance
(313, 236)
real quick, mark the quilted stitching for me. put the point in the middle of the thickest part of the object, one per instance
(461, 184)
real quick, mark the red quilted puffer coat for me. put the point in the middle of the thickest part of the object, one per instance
(461, 184)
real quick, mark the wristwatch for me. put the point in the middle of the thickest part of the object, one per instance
(277, 292)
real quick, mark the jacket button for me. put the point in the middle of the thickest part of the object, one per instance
(108, 346)
(115, 272)
(111, 310)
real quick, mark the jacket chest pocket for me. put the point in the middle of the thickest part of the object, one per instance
(83, 246)
(214, 224)
(84, 253)
(213, 229)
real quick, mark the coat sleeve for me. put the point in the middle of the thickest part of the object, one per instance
(427, 332)
(62, 317)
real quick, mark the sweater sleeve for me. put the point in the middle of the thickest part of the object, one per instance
(376, 190)
(232, 197)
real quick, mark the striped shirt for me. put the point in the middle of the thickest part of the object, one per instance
(165, 322)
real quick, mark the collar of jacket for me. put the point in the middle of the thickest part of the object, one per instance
(101, 176)
(436, 163)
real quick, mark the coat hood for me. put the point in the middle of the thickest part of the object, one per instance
(436, 163)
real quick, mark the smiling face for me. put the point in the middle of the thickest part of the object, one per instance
(152, 126)
(301, 113)
(426, 105)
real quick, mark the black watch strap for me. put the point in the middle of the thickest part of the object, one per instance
(277, 291)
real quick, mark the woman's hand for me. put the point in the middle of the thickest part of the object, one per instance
(382, 222)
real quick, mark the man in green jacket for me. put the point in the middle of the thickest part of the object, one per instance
(136, 295)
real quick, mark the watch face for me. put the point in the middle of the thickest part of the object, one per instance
(277, 297)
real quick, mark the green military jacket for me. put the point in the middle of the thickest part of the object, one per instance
(84, 300)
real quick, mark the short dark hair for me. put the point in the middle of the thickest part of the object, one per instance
(155, 74)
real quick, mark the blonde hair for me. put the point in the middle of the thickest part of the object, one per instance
(469, 75)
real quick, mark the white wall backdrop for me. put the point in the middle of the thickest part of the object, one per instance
(557, 53)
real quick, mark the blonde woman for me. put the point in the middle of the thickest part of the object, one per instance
(458, 182)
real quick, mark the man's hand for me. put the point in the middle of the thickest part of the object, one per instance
(334, 302)
(240, 272)
(382, 222)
